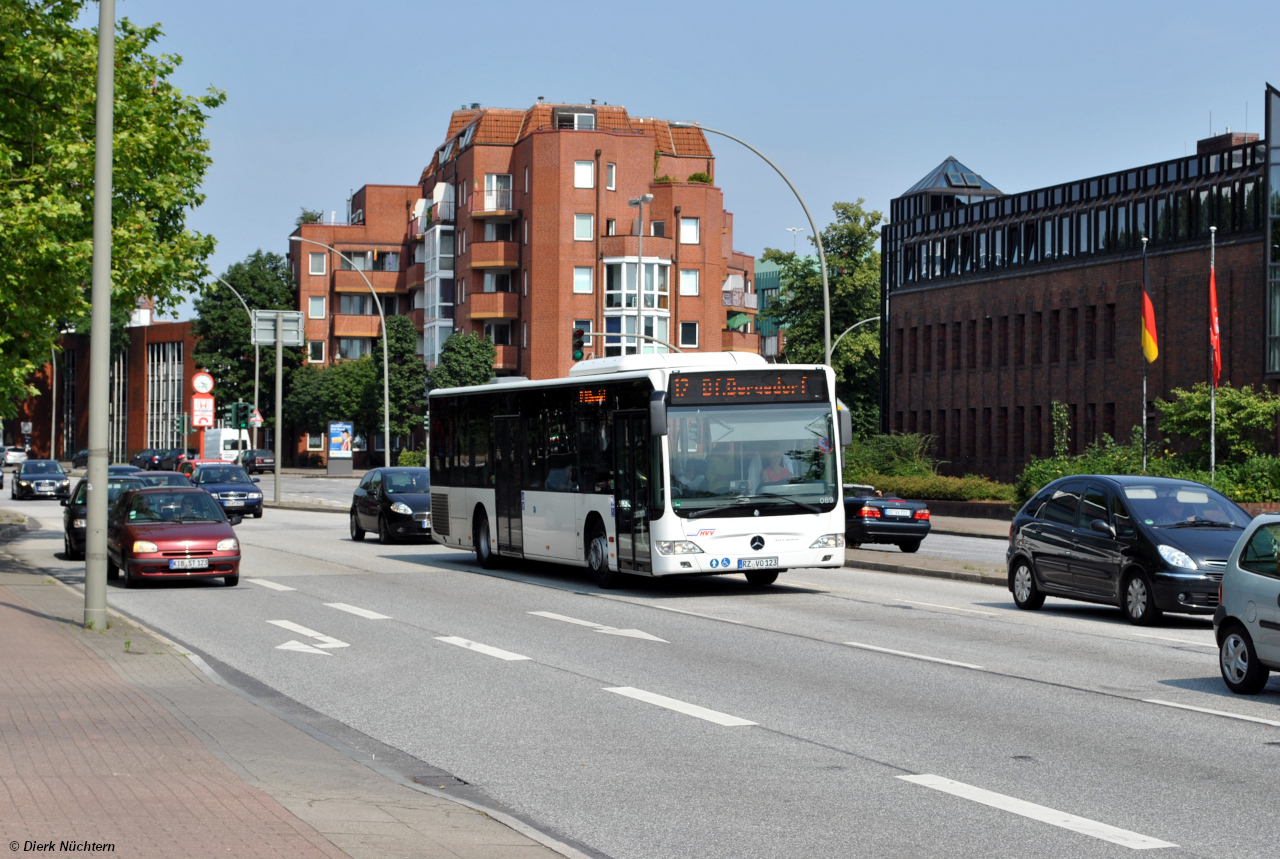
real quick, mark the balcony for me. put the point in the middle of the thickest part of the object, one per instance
(736, 341)
(626, 246)
(737, 298)
(414, 274)
(417, 317)
(495, 254)
(351, 325)
(493, 305)
(507, 358)
(493, 204)
(349, 280)
(440, 213)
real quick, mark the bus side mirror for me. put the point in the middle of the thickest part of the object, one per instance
(658, 413)
(846, 424)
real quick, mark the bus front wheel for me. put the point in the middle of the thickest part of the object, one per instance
(598, 558)
(480, 538)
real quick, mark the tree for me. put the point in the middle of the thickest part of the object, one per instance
(1245, 425)
(48, 77)
(465, 359)
(853, 273)
(340, 391)
(221, 328)
(407, 379)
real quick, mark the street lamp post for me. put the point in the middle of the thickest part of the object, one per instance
(639, 202)
(795, 234)
(850, 328)
(255, 359)
(817, 236)
(386, 363)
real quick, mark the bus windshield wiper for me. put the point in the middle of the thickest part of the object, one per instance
(810, 507)
(743, 500)
(707, 511)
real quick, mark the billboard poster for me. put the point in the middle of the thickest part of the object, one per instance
(341, 435)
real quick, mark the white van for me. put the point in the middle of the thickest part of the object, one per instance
(224, 444)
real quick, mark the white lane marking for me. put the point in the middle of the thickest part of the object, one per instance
(683, 611)
(362, 612)
(553, 616)
(481, 648)
(632, 633)
(272, 585)
(679, 706)
(1083, 825)
(327, 641)
(1178, 640)
(1223, 713)
(914, 655)
(302, 648)
(948, 607)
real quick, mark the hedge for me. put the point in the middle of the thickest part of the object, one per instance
(936, 487)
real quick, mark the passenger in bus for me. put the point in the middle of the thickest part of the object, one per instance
(694, 476)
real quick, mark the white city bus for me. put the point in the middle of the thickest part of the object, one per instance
(653, 465)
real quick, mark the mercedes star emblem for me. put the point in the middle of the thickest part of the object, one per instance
(757, 542)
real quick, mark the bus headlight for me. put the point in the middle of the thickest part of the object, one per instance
(829, 541)
(678, 547)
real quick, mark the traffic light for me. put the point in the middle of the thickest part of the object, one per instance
(229, 414)
(243, 411)
(578, 348)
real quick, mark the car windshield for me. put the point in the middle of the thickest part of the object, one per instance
(1183, 505)
(406, 482)
(154, 479)
(40, 466)
(778, 454)
(174, 507)
(225, 474)
(114, 487)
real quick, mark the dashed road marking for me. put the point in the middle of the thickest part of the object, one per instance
(1052, 816)
(1176, 640)
(1206, 710)
(553, 616)
(680, 706)
(325, 641)
(914, 655)
(948, 607)
(266, 584)
(600, 627)
(361, 612)
(302, 648)
(481, 648)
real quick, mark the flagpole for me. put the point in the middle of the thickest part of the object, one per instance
(1213, 376)
(1144, 364)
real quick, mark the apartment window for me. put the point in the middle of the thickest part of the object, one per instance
(315, 307)
(688, 281)
(940, 447)
(1037, 337)
(1020, 339)
(497, 231)
(987, 327)
(356, 305)
(526, 230)
(1019, 439)
(462, 291)
(689, 231)
(1074, 428)
(350, 348)
(1091, 332)
(316, 263)
(1073, 332)
(1002, 432)
(1055, 334)
(898, 424)
(973, 344)
(526, 180)
(955, 354)
(658, 228)
(1090, 423)
(524, 334)
(611, 177)
(582, 279)
(610, 227)
(913, 337)
(926, 344)
(971, 434)
(315, 441)
(1109, 331)
(498, 332)
(524, 275)
(689, 334)
(1109, 419)
(583, 228)
(912, 425)
(986, 433)
(315, 351)
(584, 174)
(1037, 428)
(897, 343)
(497, 281)
(942, 352)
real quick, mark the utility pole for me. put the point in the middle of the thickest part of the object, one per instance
(1144, 363)
(95, 543)
(279, 389)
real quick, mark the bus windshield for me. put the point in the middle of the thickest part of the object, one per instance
(783, 455)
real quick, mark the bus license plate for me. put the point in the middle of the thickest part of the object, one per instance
(749, 563)
(189, 564)
(896, 511)
(233, 502)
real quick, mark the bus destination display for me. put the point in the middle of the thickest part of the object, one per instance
(748, 387)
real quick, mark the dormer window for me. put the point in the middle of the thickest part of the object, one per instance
(573, 119)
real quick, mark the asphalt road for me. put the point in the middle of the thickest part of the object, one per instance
(847, 713)
(954, 546)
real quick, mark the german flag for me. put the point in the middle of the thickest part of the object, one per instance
(1149, 347)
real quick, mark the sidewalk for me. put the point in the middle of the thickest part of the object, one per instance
(117, 737)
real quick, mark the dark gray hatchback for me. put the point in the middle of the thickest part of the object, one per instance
(1145, 544)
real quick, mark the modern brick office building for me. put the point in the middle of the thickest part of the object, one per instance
(997, 304)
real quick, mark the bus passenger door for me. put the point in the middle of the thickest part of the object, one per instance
(632, 477)
(508, 478)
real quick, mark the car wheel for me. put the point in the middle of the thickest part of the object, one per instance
(69, 550)
(1026, 593)
(231, 581)
(909, 546)
(357, 533)
(598, 559)
(130, 580)
(1139, 600)
(852, 545)
(384, 532)
(480, 538)
(113, 572)
(257, 514)
(762, 578)
(1241, 670)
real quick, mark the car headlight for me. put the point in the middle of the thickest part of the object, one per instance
(254, 496)
(65, 483)
(78, 523)
(228, 545)
(144, 547)
(829, 541)
(402, 508)
(678, 547)
(24, 482)
(1176, 557)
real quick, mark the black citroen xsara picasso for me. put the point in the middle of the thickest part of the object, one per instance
(1145, 544)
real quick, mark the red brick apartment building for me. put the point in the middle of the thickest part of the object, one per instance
(520, 230)
(995, 305)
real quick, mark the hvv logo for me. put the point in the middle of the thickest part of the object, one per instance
(705, 532)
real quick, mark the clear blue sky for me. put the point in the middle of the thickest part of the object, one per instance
(851, 99)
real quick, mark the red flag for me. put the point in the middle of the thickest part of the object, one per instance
(1215, 337)
(1150, 348)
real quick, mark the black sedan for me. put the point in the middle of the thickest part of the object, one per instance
(163, 478)
(1144, 544)
(257, 460)
(147, 459)
(40, 478)
(73, 524)
(121, 470)
(175, 457)
(81, 458)
(873, 518)
(395, 502)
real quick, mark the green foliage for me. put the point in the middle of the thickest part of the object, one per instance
(222, 330)
(700, 178)
(1061, 428)
(1245, 424)
(340, 391)
(309, 216)
(1103, 457)
(48, 78)
(407, 378)
(664, 179)
(936, 487)
(898, 455)
(853, 272)
(465, 359)
(412, 458)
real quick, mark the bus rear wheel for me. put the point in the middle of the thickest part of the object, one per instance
(598, 558)
(480, 538)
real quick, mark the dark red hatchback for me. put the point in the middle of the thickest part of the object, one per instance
(167, 532)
